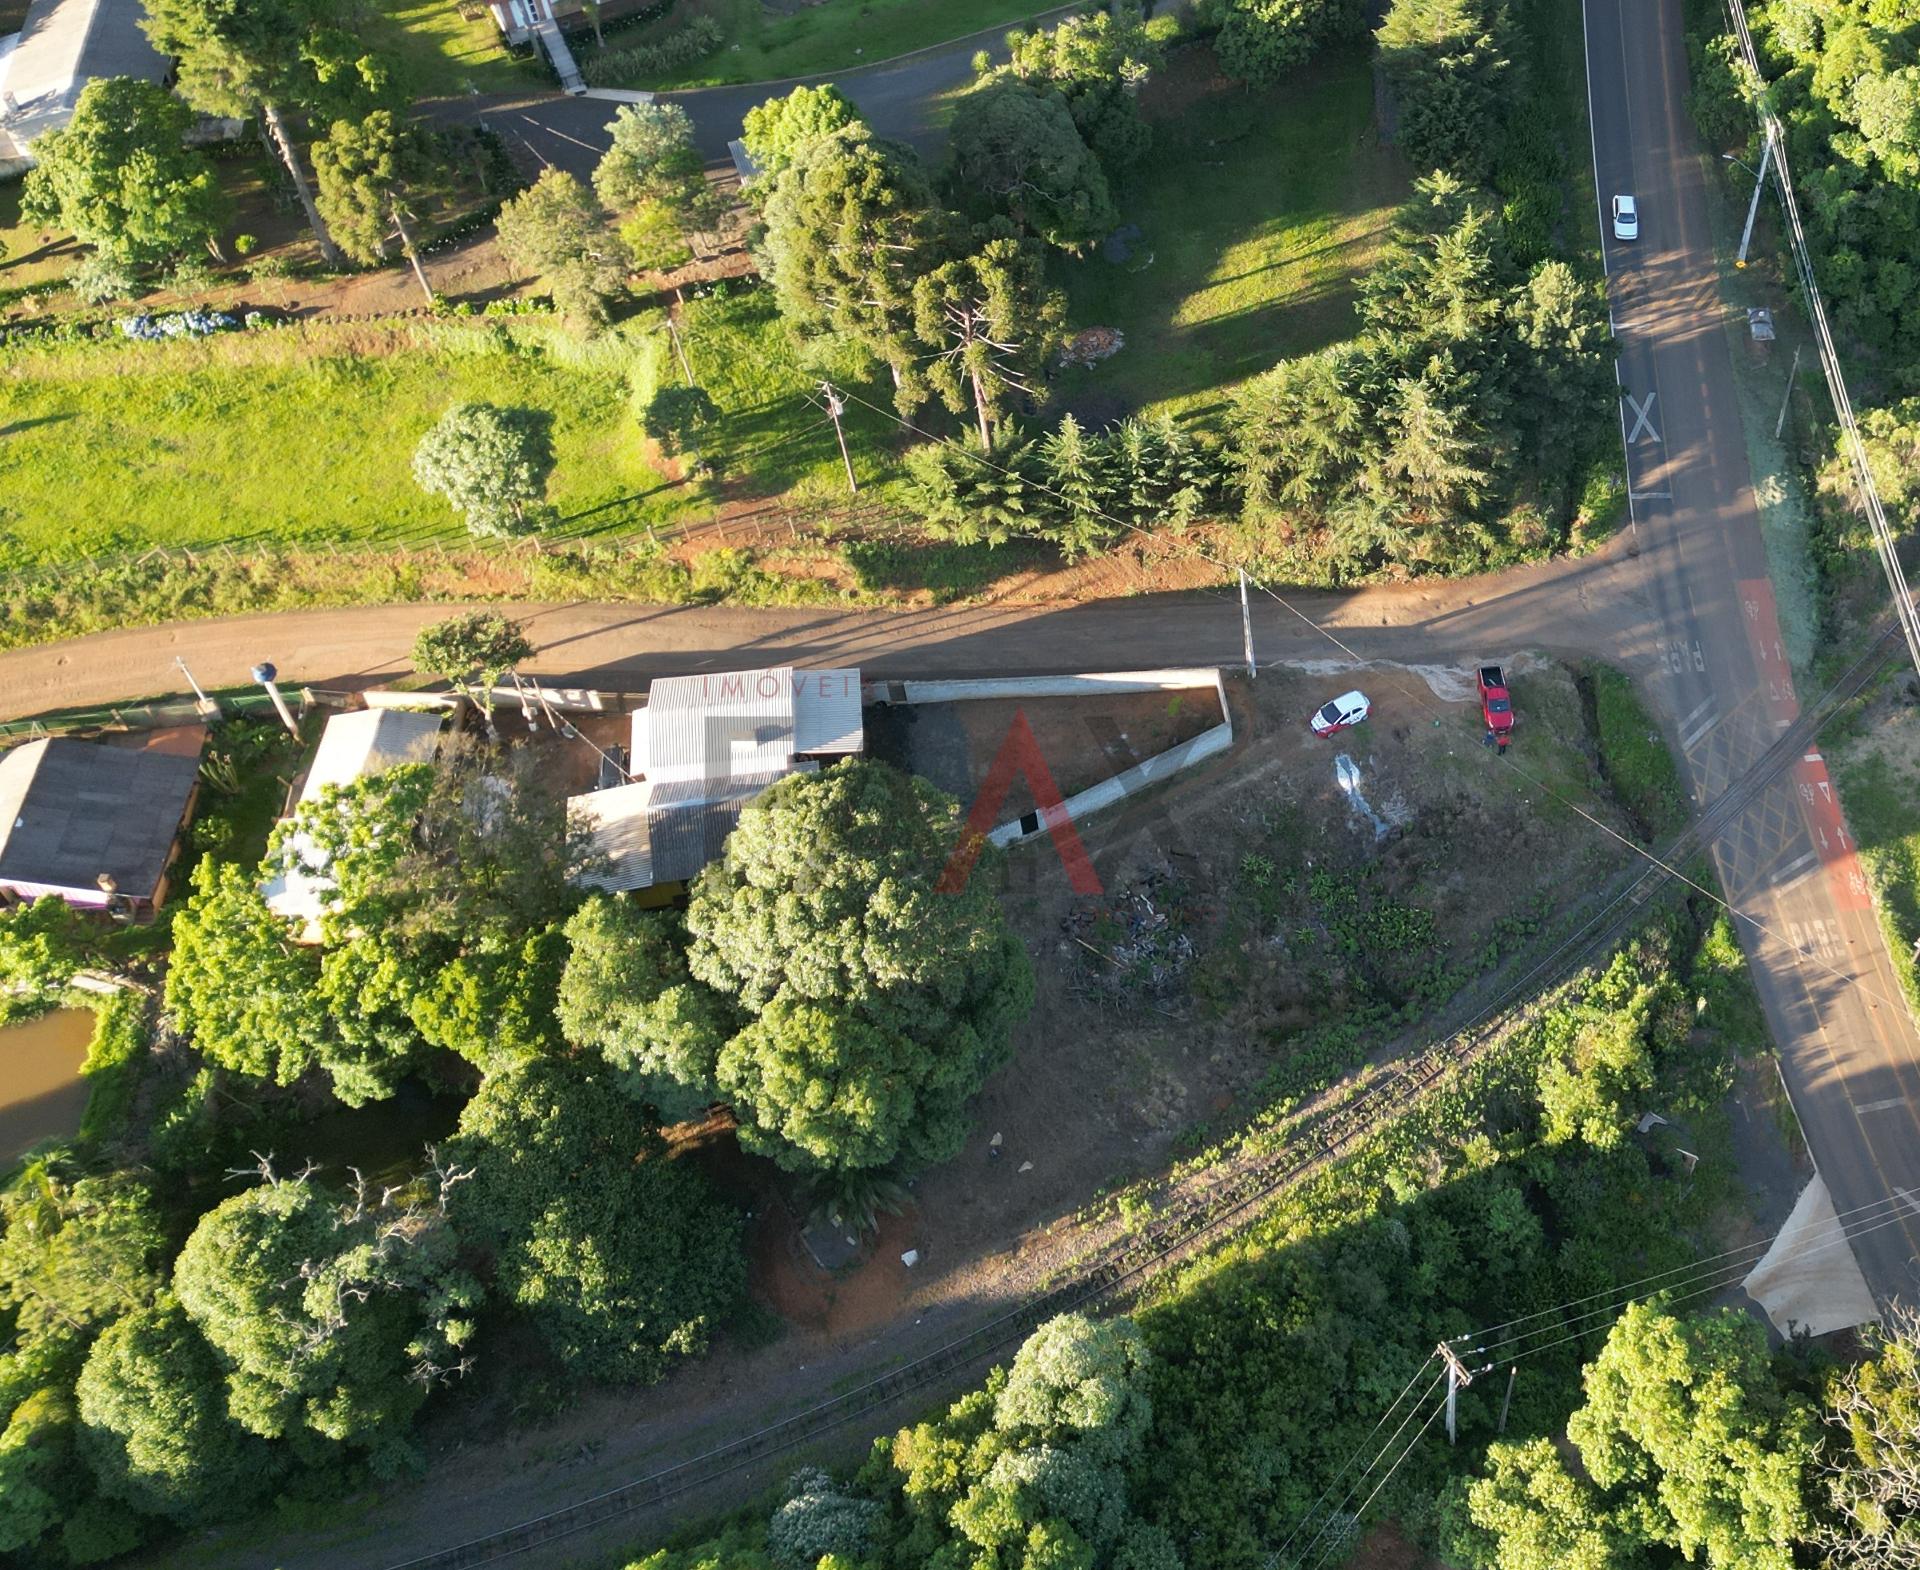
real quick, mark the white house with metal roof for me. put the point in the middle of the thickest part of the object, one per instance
(354, 746)
(702, 748)
(62, 46)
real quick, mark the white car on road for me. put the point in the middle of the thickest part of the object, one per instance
(1626, 219)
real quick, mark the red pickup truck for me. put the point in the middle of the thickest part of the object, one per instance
(1496, 705)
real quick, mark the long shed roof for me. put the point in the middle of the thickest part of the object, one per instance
(71, 810)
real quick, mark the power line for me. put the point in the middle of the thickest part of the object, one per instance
(1804, 953)
(1354, 1454)
(1333, 1515)
(1776, 142)
(1419, 1434)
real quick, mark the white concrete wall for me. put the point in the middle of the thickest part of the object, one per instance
(1074, 686)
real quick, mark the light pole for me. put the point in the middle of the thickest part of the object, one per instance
(264, 673)
(208, 708)
(1753, 207)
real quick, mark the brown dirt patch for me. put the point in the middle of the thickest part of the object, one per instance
(1386, 1548)
(831, 1303)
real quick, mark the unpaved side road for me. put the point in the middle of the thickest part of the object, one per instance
(1593, 605)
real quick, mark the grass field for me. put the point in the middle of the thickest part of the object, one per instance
(442, 55)
(763, 45)
(1257, 212)
(305, 434)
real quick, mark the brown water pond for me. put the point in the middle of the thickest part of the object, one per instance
(41, 1092)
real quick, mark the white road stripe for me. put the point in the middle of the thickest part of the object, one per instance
(1699, 709)
(1793, 869)
(1885, 1106)
(1691, 740)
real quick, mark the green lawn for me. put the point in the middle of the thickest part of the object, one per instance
(442, 55)
(303, 435)
(835, 35)
(1257, 211)
(30, 254)
(298, 434)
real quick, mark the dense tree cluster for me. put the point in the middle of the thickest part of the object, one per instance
(1264, 40)
(843, 1001)
(445, 887)
(1845, 81)
(1407, 440)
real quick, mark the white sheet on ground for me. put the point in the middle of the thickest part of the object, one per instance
(1808, 1279)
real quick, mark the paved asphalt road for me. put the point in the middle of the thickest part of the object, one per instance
(1848, 1043)
(900, 97)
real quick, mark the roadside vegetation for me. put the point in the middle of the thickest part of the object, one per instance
(1242, 1384)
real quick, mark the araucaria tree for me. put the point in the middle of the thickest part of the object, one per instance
(489, 463)
(120, 177)
(248, 57)
(369, 171)
(557, 230)
(851, 224)
(989, 324)
(621, 1258)
(877, 999)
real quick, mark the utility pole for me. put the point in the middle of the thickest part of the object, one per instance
(264, 673)
(835, 408)
(1780, 424)
(1246, 624)
(673, 332)
(1513, 1373)
(208, 707)
(1753, 208)
(1458, 1378)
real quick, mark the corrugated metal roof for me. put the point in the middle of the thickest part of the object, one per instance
(64, 44)
(826, 712)
(370, 741)
(71, 810)
(664, 832)
(717, 725)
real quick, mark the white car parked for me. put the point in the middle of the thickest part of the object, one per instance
(1626, 219)
(1345, 712)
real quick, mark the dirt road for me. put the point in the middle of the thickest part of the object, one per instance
(1586, 606)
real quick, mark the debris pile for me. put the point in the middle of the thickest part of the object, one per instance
(1136, 942)
(1092, 345)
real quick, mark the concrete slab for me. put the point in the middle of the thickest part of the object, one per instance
(1808, 1280)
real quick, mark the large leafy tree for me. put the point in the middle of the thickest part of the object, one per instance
(1686, 1429)
(620, 1257)
(1873, 1481)
(851, 223)
(777, 130)
(154, 1426)
(556, 229)
(1097, 62)
(1033, 1470)
(652, 159)
(42, 945)
(370, 173)
(1015, 150)
(989, 324)
(238, 985)
(628, 995)
(248, 57)
(1529, 1512)
(330, 1315)
(450, 883)
(119, 175)
(76, 1254)
(880, 998)
(1264, 40)
(490, 463)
